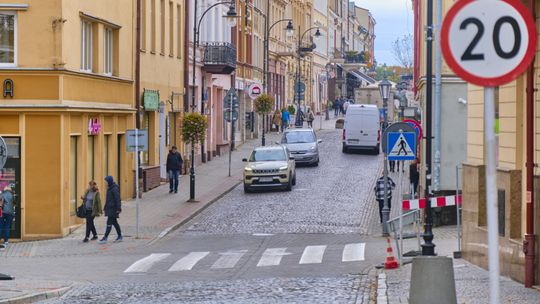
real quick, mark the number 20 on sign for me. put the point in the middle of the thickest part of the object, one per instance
(489, 43)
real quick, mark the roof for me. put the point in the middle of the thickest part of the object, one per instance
(273, 147)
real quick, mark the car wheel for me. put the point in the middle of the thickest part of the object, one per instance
(246, 189)
(294, 179)
(289, 185)
(316, 164)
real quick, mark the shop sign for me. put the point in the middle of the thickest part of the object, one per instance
(151, 100)
(254, 91)
(94, 126)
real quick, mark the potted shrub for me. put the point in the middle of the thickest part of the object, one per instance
(194, 126)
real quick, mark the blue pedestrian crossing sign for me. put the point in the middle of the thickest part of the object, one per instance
(401, 145)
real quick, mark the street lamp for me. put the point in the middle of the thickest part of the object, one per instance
(384, 89)
(230, 15)
(317, 35)
(328, 69)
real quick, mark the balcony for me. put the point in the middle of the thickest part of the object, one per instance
(219, 58)
(355, 60)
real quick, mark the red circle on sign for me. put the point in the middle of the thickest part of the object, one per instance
(469, 77)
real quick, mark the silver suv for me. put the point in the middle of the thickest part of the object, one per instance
(303, 145)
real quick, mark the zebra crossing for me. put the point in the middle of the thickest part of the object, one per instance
(353, 252)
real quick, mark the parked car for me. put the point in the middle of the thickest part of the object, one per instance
(269, 167)
(303, 145)
(362, 129)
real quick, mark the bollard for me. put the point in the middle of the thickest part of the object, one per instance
(432, 280)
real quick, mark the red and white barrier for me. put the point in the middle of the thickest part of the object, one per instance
(441, 201)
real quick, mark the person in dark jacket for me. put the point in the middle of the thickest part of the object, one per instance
(414, 176)
(112, 209)
(380, 194)
(174, 167)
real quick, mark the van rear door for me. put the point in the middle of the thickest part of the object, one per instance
(353, 128)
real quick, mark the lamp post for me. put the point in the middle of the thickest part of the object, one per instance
(384, 89)
(328, 68)
(299, 53)
(230, 15)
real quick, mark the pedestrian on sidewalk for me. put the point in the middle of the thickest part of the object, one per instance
(402, 162)
(336, 107)
(285, 116)
(7, 203)
(310, 118)
(392, 165)
(301, 117)
(277, 120)
(380, 194)
(414, 176)
(174, 167)
(113, 208)
(92, 203)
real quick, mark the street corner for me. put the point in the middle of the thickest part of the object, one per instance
(21, 291)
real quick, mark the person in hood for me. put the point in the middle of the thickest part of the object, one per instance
(7, 203)
(112, 209)
(174, 167)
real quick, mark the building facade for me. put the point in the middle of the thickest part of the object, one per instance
(70, 66)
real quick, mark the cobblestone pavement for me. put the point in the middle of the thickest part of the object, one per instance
(335, 197)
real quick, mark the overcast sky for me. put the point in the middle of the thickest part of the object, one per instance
(394, 18)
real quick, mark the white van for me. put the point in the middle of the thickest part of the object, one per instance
(362, 128)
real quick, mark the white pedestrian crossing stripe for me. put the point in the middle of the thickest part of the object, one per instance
(353, 252)
(187, 262)
(229, 259)
(270, 257)
(144, 264)
(313, 255)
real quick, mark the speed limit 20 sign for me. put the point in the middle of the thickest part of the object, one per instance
(488, 42)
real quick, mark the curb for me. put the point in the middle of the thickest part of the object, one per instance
(203, 206)
(382, 296)
(38, 296)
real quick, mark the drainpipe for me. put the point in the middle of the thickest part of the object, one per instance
(437, 105)
(138, 67)
(529, 242)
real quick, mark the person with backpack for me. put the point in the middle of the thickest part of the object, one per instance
(112, 209)
(174, 167)
(310, 118)
(7, 203)
(380, 194)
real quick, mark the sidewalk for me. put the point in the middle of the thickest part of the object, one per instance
(472, 282)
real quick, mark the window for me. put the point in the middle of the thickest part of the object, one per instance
(179, 31)
(91, 159)
(153, 26)
(73, 174)
(86, 46)
(108, 50)
(143, 25)
(106, 169)
(8, 39)
(162, 28)
(171, 29)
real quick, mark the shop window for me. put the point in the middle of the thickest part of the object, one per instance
(90, 162)
(86, 46)
(106, 163)
(108, 51)
(8, 39)
(73, 171)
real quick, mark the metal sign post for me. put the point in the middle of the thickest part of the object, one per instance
(230, 105)
(137, 141)
(489, 43)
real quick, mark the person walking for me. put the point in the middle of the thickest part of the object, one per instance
(174, 167)
(285, 116)
(402, 162)
(346, 105)
(380, 194)
(277, 120)
(7, 202)
(392, 165)
(310, 118)
(414, 176)
(92, 203)
(301, 117)
(336, 107)
(112, 209)
(341, 103)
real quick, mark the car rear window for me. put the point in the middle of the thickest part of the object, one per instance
(298, 137)
(267, 155)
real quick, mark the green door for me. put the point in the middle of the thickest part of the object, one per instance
(10, 176)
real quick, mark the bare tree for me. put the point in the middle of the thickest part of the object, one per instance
(402, 49)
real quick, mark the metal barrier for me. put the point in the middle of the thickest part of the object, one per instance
(396, 225)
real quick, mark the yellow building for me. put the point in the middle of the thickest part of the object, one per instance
(162, 84)
(70, 65)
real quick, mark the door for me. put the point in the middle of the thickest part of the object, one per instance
(10, 176)
(162, 149)
(119, 145)
(370, 129)
(353, 128)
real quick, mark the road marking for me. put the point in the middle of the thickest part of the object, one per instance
(229, 259)
(144, 264)
(187, 262)
(262, 234)
(313, 255)
(272, 257)
(354, 252)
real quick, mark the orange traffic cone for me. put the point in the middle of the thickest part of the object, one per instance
(391, 262)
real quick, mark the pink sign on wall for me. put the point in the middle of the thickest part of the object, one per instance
(94, 127)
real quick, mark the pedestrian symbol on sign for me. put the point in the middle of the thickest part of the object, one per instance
(402, 146)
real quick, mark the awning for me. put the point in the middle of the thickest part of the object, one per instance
(365, 77)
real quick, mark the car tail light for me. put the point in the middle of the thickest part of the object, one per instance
(379, 136)
(343, 134)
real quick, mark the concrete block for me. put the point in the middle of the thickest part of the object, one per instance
(432, 279)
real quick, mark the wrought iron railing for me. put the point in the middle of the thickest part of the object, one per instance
(220, 53)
